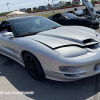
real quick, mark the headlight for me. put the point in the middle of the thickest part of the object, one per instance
(71, 51)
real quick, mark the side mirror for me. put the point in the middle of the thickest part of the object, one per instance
(8, 34)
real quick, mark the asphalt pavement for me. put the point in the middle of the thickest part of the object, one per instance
(14, 78)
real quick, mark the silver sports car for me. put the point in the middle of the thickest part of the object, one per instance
(47, 49)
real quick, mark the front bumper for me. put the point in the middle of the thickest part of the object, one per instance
(84, 66)
(60, 76)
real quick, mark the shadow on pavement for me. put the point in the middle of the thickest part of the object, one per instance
(47, 89)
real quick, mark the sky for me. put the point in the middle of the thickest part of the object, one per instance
(17, 4)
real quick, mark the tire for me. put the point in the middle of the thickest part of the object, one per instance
(33, 66)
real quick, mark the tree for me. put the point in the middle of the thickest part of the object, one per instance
(60, 1)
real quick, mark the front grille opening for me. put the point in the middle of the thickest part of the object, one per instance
(72, 75)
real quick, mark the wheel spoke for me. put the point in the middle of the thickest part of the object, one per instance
(32, 66)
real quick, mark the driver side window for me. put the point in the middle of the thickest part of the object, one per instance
(5, 27)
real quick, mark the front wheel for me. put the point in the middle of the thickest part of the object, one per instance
(33, 66)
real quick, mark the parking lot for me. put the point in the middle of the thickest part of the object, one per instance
(14, 78)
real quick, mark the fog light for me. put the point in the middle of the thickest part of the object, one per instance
(97, 67)
(68, 68)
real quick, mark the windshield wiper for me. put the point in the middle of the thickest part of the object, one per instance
(52, 28)
(29, 33)
(55, 27)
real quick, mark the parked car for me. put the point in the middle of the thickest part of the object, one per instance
(75, 2)
(47, 49)
(41, 8)
(84, 12)
(56, 6)
(98, 11)
(87, 12)
(71, 19)
(98, 14)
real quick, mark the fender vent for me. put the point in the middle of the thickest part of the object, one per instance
(90, 43)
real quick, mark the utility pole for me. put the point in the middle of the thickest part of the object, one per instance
(7, 6)
(48, 1)
(53, 5)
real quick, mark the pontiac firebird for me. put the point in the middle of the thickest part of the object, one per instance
(49, 50)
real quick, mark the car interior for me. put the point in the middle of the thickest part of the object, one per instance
(57, 16)
(5, 27)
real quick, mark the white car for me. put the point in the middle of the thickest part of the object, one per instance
(49, 50)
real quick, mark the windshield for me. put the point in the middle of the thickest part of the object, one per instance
(69, 15)
(33, 25)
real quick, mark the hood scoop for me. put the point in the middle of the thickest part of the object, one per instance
(66, 36)
(90, 43)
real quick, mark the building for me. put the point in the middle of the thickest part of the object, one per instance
(48, 6)
(75, 2)
(41, 7)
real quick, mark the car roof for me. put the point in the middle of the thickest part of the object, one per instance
(19, 18)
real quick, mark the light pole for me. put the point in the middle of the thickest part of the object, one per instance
(53, 5)
(7, 6)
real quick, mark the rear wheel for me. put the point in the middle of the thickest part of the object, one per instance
(33, 66)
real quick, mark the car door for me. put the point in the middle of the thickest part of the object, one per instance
(66, 21)
(56, 19)
(6, 43)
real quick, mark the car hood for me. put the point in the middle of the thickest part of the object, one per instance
(65, 35)
(90, 8)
